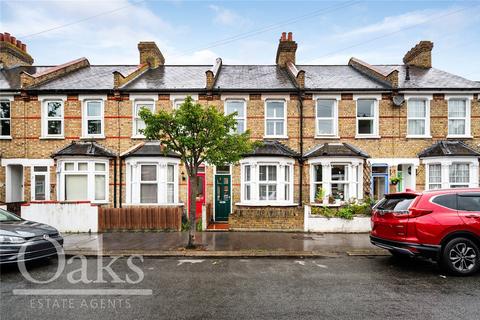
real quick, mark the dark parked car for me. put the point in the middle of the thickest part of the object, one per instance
(440, 224)
(34, 237)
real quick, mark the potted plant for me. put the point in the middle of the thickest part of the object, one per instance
(395, 180)
(320, 196)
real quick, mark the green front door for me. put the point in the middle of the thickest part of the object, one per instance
(222, 197)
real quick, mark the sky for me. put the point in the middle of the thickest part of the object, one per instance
(246, 32)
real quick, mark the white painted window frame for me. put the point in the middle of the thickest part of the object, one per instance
(86, 118)
(46, 118)
(376, 116)
(467, 118)
(255, 163)
(284, 119)
(354, 178)
(135, 116)
(244, 118)
(9, 100)
(334, 134)
(33, 177)
(445, 163)
(133, 179)
(90, 172)
(427, 100)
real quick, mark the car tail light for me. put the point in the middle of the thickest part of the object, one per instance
(415, 212)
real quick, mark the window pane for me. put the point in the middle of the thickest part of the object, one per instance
(469, 203)
(270, 128)
(287, 173)
(287, 192)
(170, 193)
(94, 109)
(83, 166)
(39, 187)
(435, 173)
(140, 125)
(99, 166)
(240, 126)
(275, 109)
(148, 193)
(457, 109)
(262, 173)
(325, 108)
(76, 187)
(5, 127)
(416, 127)
(247, 192)
(54, 109)
(40, 169)
(69, 166)
(318, 173)
(223, 169)
(339, 191)
(279, 128)
(263, 192)
(54, 127)
(5, 109)
(94, 126)
(236, 106)
(272, 173)
(456, 126)
(272, 192)
(446, 200)
(365, 108)
(148, 173)
(170, 173)
(416, 108)
(325, 126)
(339, 172)
(100, 187)
(139, 107)
(459, 173)
(365, 126)
(247, 173)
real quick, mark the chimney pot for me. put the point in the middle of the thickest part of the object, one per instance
(290, 36)
(1, 36)
(19, 44)
(284, 36)
(6, 37)
(24, 47)
(13, 40)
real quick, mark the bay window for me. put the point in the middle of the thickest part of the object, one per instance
(326, 117)
(138, 123)
(240, 107)
(458, 117)
(5, 121)
(444, 173)
(93, 124)
(83, 180)
(459, 175)
(418, 118)
(267, 181)
(435, 176)
(338, 179)
(275, 118)
(152, 180)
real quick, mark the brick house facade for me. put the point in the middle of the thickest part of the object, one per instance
(70, 132)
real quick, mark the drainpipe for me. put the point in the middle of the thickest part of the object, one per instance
(115, 182)
(120, 184)
(300, 160)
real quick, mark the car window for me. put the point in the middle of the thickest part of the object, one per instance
(7, 216)
(395, 204)
(446, 200)
(469, 202)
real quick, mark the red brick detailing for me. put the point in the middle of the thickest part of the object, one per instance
(386, 96)
(164, 97)
(72, 97)
(255, 96)
(347, 96)
(438, 96)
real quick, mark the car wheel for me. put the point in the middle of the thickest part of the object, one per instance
(461, 257)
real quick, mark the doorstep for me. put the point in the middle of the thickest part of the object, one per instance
(218, 226)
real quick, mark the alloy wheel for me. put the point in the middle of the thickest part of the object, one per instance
(463, 257)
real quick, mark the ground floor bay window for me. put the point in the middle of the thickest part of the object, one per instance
(152, 180)
(267, 181)
(83, 180)
(335, 181)
(444, 173)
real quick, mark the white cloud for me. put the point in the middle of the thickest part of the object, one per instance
(227, 17)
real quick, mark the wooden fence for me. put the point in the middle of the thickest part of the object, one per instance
(140, 218)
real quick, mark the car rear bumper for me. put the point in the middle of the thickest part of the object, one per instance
(412, 249)
(39, 249)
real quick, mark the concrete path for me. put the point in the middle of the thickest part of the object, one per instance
(221, 244)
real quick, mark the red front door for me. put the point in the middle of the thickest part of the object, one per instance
(200, 200)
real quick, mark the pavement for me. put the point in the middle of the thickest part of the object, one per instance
(345, 287)
(220, 244)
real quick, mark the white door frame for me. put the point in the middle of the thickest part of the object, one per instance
(8, 182)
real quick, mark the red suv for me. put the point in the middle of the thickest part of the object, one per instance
(440, 224)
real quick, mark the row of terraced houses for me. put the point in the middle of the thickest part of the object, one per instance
(332, 133)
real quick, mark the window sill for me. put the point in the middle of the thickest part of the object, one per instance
(92, 137)
(137, 137)
(367, 137)
(418, 137)
(266, 204)
(275, 137)
(330, 205)
(459, 137)
(52, 138)
(5, 137)
(327, 137)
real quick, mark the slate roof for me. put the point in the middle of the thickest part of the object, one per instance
(336, 150)
(449, 149)
(84, 148)
(248, 77)
(149, 149)
(273, 148)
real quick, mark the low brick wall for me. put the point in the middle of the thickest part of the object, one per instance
(266, 218)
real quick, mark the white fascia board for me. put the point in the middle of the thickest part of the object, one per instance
(326, 160)
(28, 162)
(43, 97)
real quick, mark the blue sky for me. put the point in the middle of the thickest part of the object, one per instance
(247, 32)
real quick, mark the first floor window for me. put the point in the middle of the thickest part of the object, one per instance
(138, 123)
(417, 117)
(5, 118)
(40, 183)
(84, 180)
(435, 176)
(238, 106)
(53, 118)
(267, 182)
(93, 118)
(458, 117)
(275, 118)
(366, 117)
(326, 117)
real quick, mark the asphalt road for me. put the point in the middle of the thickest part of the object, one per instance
(328, 288)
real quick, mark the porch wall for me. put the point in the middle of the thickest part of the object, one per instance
(266, 218)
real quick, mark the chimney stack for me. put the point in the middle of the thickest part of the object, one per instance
(420, 55)
(150, 54)
(286, 50)
(13, 52)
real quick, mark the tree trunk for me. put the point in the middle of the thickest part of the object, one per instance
(193, 211)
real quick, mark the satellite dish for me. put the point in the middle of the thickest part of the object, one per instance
(398, 100)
